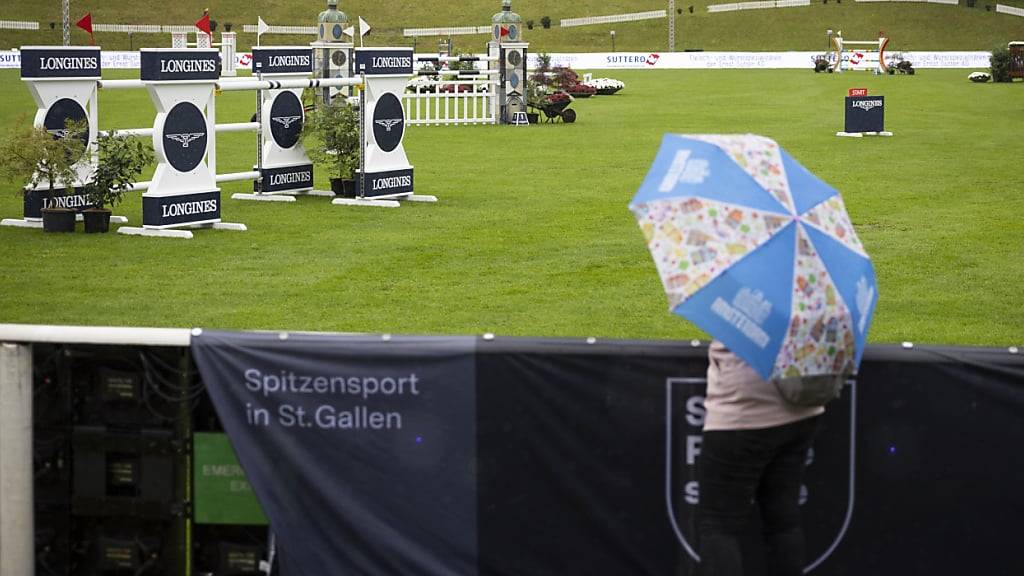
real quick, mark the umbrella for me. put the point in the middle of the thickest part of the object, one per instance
(758, 252)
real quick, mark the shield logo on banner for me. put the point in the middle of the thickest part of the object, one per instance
(826, 497)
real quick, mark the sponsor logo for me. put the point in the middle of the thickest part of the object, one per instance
(185, 125)
(58, 115)
(388, 123)
(391, 62)
(189, 65)
(684, 170)
(289, 61)
(867, 105)
(392, 182)
(290, 178)
(185, 138)
(753, 304)
(188, 208)
(67, 62)
(286, 121)
(626, 59)
(735, 315)
(245, 59)
(70, 201)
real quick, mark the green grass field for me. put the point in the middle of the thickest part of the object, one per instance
(911, 26)
(532, 235)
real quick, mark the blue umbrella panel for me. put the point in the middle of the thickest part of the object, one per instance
(758, 252)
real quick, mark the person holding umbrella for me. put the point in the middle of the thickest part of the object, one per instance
(754, 450)
(760, 254)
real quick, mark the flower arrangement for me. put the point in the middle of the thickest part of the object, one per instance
(605, 86)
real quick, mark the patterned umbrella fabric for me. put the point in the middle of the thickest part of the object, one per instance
(758, 252)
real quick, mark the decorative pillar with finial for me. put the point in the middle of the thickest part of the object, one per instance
(507, 46)
(332, 55)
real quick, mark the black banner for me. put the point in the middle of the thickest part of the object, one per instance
(865, 114)
(57, 62)
(180, 209)
(586, 453)
(387, 183)
(282, 60)
(384, 61)
(161, 64)
(361, 450)
(287, 178)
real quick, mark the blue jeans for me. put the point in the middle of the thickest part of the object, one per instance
(740, 469)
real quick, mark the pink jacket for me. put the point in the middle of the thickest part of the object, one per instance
(738, 399)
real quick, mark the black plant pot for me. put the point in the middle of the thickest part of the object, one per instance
(96, 221)
(533, 117)
(58, 220)
(343, 187)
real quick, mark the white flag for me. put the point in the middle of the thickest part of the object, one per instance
(350, 31)
(261, 26)
(364, 28)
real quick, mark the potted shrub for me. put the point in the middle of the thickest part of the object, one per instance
(122, 159)
(33, 155)
(1000, 64)
(331, 138)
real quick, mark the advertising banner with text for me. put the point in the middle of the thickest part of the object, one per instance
(636, 60)
(361, 451)
(529, 457)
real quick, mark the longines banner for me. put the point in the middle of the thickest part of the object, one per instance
(635, 60)
(551, 458)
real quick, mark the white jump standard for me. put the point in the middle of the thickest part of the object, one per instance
(62, 81)
(384, 170)
(284, 167)
(183, 192)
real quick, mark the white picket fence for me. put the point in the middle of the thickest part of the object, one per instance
(948, 2)
(631, 17)
(1011, 10)
(129, 28)
(757, 5)
(450, 102)
(449, 31)
(18, 25)
(297, 30)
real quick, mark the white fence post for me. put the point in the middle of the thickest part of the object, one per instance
(17, 526)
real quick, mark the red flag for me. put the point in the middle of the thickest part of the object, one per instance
(86, 24)
(204, 24)
(504, 31)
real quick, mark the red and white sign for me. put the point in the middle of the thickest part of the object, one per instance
(858, 92)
